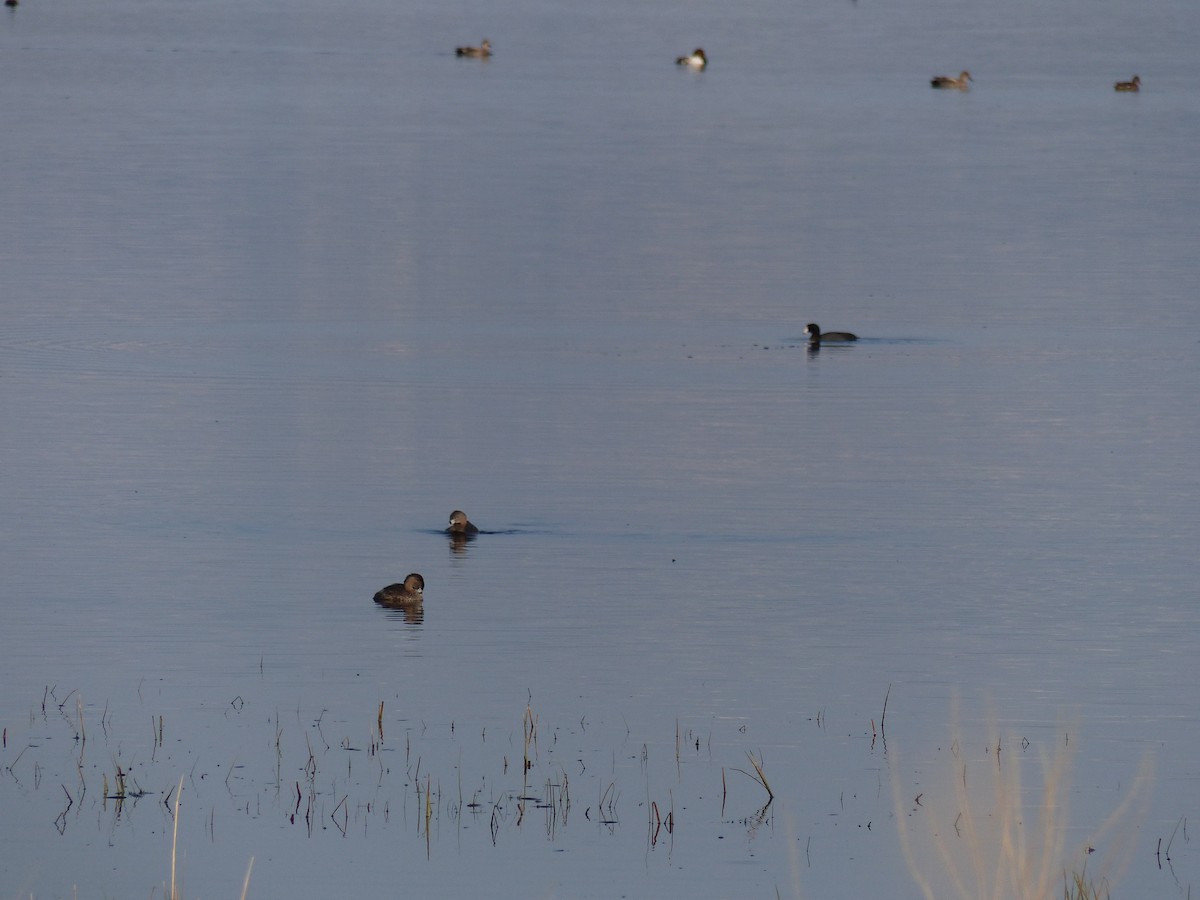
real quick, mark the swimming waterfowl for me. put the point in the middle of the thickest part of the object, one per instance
(460, 524)
(952, 84)
(697, 60)
(484, 49)
(815, 336)
(410, 592)
(1134, 85)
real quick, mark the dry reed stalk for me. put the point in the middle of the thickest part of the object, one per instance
(530, 726)
(428, 814)
(175, 839)
(82, 730)
(759, 775)
(883, 715)
(993, 849)
(246, 883)
(655, 824)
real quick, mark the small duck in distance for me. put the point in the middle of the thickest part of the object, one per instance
(1133, 85)
(946, 83)
(483, 51)
(409, 592)
(696, 61)
(460, 524)
(816, 337)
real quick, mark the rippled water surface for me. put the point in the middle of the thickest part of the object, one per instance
(284, 284)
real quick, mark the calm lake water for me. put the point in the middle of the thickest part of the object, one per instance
(285, 283)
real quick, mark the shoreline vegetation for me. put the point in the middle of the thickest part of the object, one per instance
(970, 831)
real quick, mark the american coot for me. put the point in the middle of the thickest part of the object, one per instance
(483, 50)
(816, 337)
(460, 524)
(697, 60)
(944, 82)
(410, 592)
(1134, 85)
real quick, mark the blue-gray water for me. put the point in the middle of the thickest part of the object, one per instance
(284, 283)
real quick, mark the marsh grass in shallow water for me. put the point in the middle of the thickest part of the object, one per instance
(325, 779)
(759, 774)
(332, 771)
(174, 891)
(970, 831)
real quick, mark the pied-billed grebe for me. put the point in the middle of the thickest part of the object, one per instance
(1134, 85)
(815, 336)
(408, 593)
(697, 60)
(460, 524)
(483, 50)
(946, 83)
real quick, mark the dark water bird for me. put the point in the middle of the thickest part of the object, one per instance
(697, 60)
(816, 337)
(410, 592)
(1134, 85)
(946, 83)
(460, 524)
(11, 3)
(483, 50)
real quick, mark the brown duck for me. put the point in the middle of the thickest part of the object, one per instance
(946, 83)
